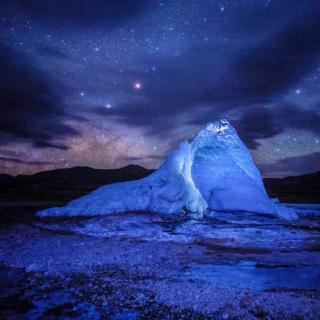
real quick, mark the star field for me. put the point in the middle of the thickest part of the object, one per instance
(109, 83)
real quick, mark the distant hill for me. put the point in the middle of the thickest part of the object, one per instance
(295, 189)
(62, 185)
(22, 196)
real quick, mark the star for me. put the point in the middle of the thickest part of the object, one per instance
(108, 106)
(137, 85)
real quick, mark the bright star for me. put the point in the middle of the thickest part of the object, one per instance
(108, 106)
(137, 85)
(298, 91)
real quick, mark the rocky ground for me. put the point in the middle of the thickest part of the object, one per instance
(146, 266)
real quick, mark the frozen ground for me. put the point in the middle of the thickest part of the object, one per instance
(148, 266)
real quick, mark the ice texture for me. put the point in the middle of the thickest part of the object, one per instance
(214, 172)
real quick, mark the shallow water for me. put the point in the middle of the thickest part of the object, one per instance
(247, 274)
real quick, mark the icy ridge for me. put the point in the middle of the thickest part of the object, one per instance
(214, 172)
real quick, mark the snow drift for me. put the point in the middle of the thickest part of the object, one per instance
(214, 172)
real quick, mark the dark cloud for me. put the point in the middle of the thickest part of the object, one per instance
(278, 63)
(294, 165)
(131, 158)
(290, 116)
(53, 52)
(21, 161)
(30, 110)
(259, 122)
(141, 159)
(57, 13)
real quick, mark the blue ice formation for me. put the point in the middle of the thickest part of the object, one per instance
(214, 172)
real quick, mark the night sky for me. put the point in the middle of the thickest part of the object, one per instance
(109, 83)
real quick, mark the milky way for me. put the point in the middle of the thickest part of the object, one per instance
(109, 83)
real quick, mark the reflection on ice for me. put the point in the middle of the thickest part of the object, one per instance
(242, 250)
(247, 274)
(227, 228)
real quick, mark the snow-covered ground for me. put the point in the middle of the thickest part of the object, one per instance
(152, 266)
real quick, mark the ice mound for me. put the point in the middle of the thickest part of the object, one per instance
(214, 172)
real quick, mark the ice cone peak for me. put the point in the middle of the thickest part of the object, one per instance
(219, 133)
(213, 172)
(219, 126)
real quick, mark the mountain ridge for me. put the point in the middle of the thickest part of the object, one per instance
(295, 189)
(64, 184)
(302, 188)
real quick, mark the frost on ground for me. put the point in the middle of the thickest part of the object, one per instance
(213, 172)
(152, 266)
